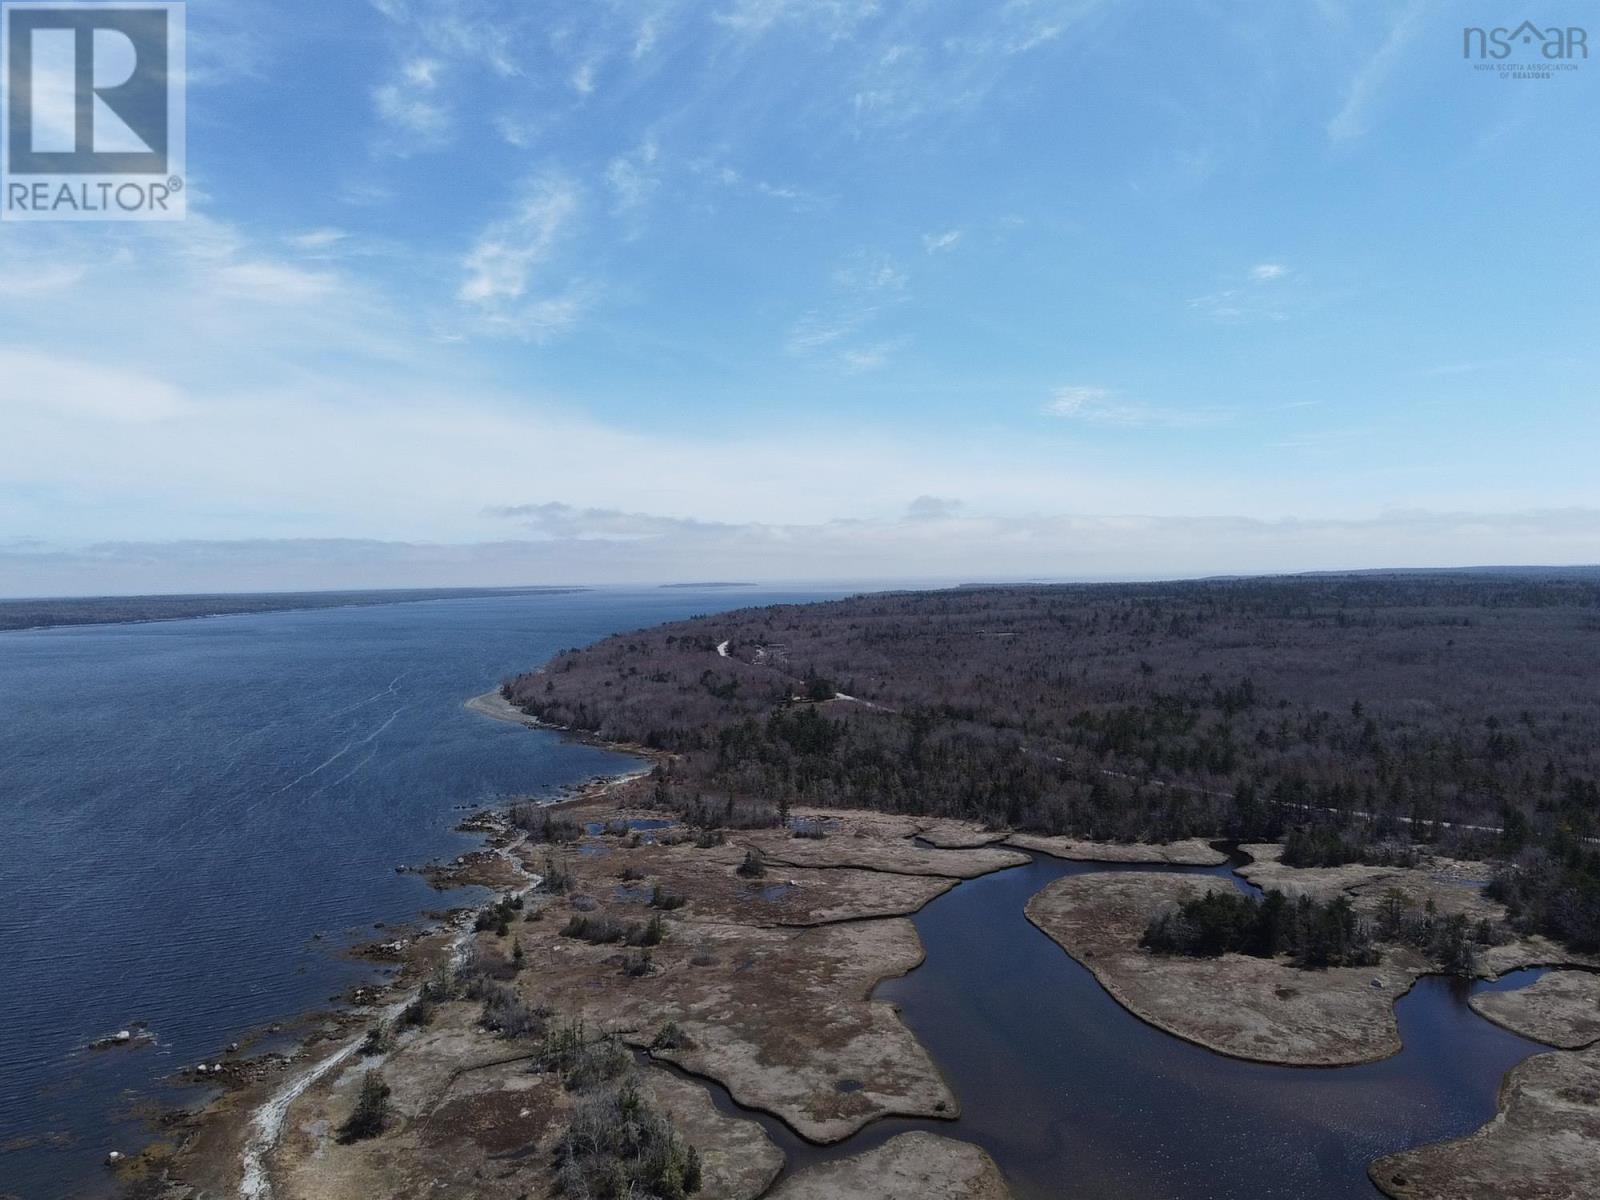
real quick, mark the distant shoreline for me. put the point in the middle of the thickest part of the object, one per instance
(18, 616)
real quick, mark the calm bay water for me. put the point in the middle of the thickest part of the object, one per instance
(185, 805)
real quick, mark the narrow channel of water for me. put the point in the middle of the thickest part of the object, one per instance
(1076, 1097)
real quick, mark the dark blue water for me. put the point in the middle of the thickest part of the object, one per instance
(183, 806)
(1077, 1098)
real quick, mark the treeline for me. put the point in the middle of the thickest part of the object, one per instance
(1371, 712)
(1315, 933)
(1555, 891)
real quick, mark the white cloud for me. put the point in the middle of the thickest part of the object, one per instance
(501, 262)
(935, 243)
(421, 72)
(1354, 115)
(31, 382)
(835, 18)
(631, 178)
(42, 279)
(1105, 407)
(870, 274)
(271, 282)
(1254, 299)
(816, 331)
(316, 239)
(872, 358)
(414, 112)
(645, 38)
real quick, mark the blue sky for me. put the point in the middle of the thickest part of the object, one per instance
(489, 291)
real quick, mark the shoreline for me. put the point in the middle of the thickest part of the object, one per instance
(471, 594)
(263, 1118)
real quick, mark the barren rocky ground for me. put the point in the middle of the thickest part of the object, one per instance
(1561, 1008)
(1543, 1145)
(913, 1165)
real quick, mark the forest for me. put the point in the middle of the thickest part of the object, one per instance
(1355, 716)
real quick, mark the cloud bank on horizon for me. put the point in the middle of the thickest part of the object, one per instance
(475, 291)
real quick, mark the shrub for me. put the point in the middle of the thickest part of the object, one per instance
(371, 1111)
(379, 1040)
(542, 825)
(442, 985)
(560, 1047)
(650, 934)
(498, 917)
(1325, 846)
(632, 874)
(706, 839)
(753, 867)
(597, 930)
(419, 1012)
(581, 1064)
(616, 1145)
(670, 1037)
(665, 900)
(508, 1014)
(636, 966)
(556, 879)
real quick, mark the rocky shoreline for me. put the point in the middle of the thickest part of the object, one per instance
(760, 980)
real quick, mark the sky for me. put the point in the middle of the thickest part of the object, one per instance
(590, 291)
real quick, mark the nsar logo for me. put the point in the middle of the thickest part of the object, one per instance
(93, 112)
(1554, 43)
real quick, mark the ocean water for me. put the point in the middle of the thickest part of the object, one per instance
(186, 806)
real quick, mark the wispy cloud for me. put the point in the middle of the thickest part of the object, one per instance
(632, 177)
(1105, 407)
(1260, 296)
(866, 286)
(936, 243)
(725, 175)
(1355, 114)
(872, 358)
(499, 284)
(273, 282)
(834, 18)
(313, 240)
(410, 105)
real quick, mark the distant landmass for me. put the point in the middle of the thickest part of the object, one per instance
(701, 586)
(118, 610)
